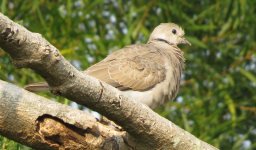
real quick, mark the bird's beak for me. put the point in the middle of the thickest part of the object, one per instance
(183, 40)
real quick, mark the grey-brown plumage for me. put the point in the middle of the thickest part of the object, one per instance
(135, 67)
(148, 72)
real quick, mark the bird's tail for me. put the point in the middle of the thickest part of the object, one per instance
(37, 87)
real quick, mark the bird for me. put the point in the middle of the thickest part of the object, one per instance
(149, 73)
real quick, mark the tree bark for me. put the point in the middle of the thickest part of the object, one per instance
(30, 50)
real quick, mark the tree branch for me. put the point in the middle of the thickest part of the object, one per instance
(44, 124)
(31, 50)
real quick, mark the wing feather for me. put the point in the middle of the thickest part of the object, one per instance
(137, 67)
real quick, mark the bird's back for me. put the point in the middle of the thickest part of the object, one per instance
(137, 67)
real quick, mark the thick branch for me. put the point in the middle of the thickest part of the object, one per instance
(31, 50)
(44, 124)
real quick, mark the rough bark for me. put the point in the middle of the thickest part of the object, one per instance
(30, 50)
(43, 124)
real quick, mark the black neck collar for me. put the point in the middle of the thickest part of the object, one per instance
(162, 40)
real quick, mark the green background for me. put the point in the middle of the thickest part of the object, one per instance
(217, 100)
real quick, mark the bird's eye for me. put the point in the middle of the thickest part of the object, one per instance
(174, 31)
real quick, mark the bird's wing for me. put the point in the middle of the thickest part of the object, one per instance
(136, 67)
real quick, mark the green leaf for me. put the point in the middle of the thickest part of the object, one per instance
(248, 75)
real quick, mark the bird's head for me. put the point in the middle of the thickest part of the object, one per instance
(169, 33)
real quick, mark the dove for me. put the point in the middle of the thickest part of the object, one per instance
(149, 73)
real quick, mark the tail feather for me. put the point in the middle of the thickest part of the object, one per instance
(37, 87)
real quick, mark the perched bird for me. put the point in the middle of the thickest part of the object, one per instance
(149, 73)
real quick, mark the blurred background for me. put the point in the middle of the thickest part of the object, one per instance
(217, 99)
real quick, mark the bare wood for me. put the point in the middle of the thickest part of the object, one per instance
(31, 50)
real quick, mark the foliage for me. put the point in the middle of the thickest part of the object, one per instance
(217, 98)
